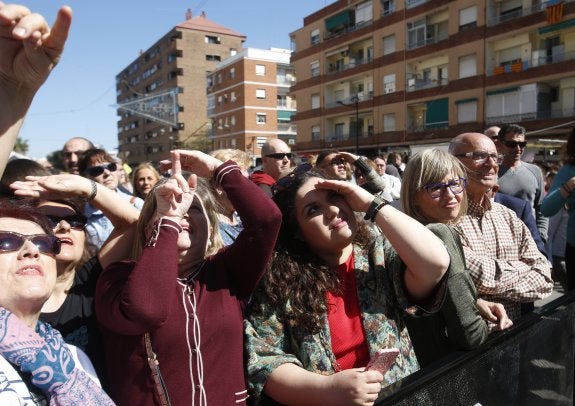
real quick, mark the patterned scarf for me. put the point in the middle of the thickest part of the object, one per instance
(44, 354)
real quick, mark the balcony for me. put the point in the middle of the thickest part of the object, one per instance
(514, 14)
(431, 39)
(417, 83)
(540, 114)
(287, 128)
(414, 3)
(341, 67)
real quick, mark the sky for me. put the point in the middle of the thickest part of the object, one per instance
(79, 97)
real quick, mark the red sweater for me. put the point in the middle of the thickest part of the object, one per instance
(134, 298)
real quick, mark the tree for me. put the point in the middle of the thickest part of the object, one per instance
(21, 146)
(55, 158)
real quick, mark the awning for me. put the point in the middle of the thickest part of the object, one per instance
(343, 18)
(285, 115)
(557, 27)
(437, 113)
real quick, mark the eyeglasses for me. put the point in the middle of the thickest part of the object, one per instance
(480, 157)
(46, 244)
(435, 190)
(97, 170)
(76, 221)
(337, 161)
(285, 182)
(280, 155)
(514, 144)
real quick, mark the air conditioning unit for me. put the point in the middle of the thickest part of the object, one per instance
(411, 82)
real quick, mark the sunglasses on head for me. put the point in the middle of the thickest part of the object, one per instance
(280, 155)
(76, 221)
(97, 170)
(285, 182)
(46, 244)
(514, 144)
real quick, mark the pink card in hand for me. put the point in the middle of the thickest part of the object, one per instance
(382, 360)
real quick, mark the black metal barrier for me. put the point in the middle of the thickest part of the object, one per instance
(530, 364)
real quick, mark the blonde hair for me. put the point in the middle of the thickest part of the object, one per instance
(237, 155)
(148, 212)
(423, 168)
(142, 166)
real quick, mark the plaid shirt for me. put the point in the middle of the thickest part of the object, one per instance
(502, 257)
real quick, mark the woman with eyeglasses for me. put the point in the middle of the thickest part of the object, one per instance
(96, 164)
(180, 300)
(335, 294)
(36, 366)
(433, 193)
(71, 307)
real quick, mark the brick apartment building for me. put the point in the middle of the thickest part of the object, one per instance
(167, 82)
(248, 100)
(402, 75)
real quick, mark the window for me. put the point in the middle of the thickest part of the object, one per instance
(261, 118)
(260, 70)
(233, 121)
(416, 33)
(389, 122)
(215, 58)
(315, 37)
(467, 18)
(232, 73)
(387, 7)
(315, 101)
(467, 66)
(233, 51)
(314, 68)
(210, 39)
(363, 13)
(233, 96)
(219, 100)
(389, 44)
(315, 132)
(260, 94)
(389, 83)
(466, 111)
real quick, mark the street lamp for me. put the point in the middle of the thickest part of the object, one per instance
(354, 102)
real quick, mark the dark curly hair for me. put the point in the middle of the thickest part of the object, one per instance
(297, 275)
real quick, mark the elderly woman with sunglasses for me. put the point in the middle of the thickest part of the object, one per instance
(434, 194)
(99, 166)
(70, 308)
(36, 367)
(335, 294)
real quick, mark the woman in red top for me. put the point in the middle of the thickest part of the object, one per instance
(191, 303)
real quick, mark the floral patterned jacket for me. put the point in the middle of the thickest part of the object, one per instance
(380, 292)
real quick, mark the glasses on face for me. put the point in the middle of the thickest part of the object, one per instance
(337, 161)
(76, 221)
(285, 182)
(46, 244)
(435, 190)
(97, 170)
(280, 155)
(515, 144)
(480, 157)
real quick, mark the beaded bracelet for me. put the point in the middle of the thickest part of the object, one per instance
(374, 207)
(94, 191)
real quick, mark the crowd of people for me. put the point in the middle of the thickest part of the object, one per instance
(220, 284)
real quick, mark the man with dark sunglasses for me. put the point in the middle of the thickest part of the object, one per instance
(276, 163)
(519, 178)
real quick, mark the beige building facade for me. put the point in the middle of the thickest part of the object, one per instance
(249, 101)
(385, 75)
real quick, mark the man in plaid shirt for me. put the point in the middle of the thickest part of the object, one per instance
(500, 253)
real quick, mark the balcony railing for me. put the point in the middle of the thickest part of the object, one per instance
(427, 41)
(536, 60)
(416, 83)
(334, 68)
(287, 128)
(414, 3)
(540, 114)
(512, 15)
(337, 33)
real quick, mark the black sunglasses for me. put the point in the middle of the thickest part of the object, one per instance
(97, 170)
(285, 182)
(280, 155)
(76, 221)
(514, 144)
(337, 161)
(46, 244)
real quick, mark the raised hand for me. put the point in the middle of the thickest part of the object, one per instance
(175, 196)
(196, 162)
